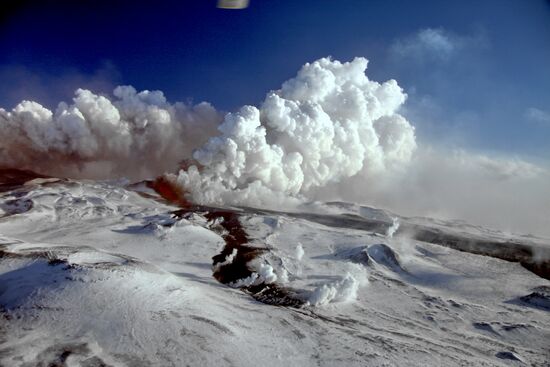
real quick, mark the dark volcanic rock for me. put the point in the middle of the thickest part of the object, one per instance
(384, 255)
(539, 298)
(13, 178)
(508, 355)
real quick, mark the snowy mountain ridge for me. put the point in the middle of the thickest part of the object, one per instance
(106, 273)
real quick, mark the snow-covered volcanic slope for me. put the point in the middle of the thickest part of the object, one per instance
(96, 273)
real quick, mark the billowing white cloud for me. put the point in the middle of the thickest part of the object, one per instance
(327, 133)
(325, 125)
(328, 123)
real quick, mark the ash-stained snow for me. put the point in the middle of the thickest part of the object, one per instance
(95, 274)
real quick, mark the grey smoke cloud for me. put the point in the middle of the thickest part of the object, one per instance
(133, 134)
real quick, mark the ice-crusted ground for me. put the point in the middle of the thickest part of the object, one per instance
(97, 273)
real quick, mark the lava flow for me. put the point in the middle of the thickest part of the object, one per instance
(236, 245)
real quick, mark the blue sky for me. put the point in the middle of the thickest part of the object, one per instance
(477, 72)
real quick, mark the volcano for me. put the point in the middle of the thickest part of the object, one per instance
(97, 273)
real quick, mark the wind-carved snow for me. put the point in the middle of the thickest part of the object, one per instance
(97, 274)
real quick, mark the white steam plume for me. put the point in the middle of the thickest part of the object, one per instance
(325, 125)
(328, 133)
(134, 135)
